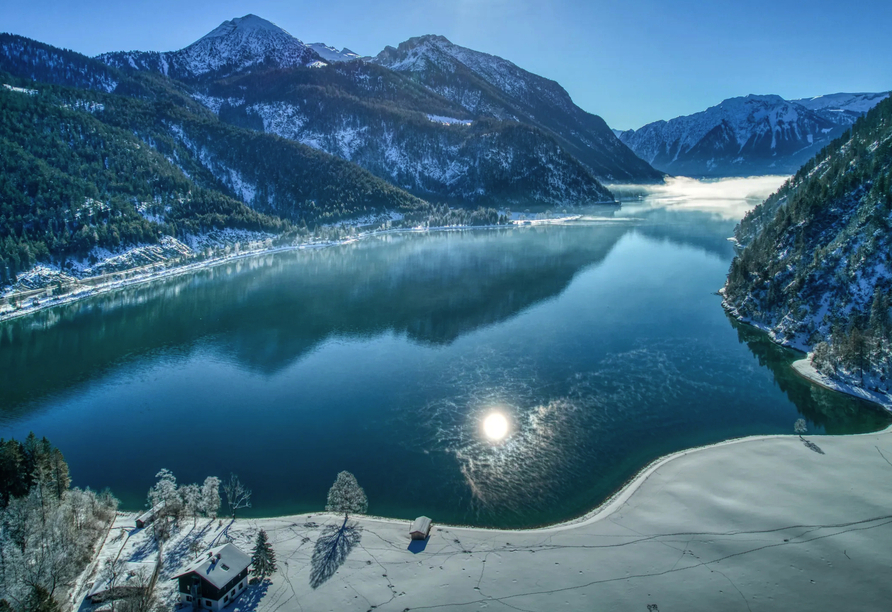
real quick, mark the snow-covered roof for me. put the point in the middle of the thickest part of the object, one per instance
(148, 514)
(127, 577)
(219, 565)
(421, 525)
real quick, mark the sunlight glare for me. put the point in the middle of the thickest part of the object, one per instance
(495, 426)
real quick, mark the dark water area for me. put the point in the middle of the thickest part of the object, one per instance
(601, 341)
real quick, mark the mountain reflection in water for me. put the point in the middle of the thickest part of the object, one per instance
(601, 341)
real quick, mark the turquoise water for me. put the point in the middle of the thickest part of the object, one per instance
(601, 341)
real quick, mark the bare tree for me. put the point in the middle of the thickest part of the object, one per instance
(237, 495)
(140, 596)
(800, 427)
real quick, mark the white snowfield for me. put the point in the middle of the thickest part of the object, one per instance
(765, 523)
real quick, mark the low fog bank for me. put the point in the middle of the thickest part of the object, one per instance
(729, 198)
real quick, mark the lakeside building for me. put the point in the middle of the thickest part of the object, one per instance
(215, 579)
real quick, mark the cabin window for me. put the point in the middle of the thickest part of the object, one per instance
(208, 603)
(188, 598)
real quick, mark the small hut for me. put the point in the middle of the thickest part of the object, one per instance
(147, 517)
(421, 528)
(130, 579)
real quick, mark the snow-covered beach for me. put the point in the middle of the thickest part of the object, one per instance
(763, 523)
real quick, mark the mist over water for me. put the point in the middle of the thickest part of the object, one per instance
(728, 198)
(601, 343)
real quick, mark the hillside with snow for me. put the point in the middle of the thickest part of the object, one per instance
(331, 54)
(235, 46)
(747, 135)
(815, 269)
(489, 86)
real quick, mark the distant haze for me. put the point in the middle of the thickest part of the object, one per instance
(727, 198)
(632, 62)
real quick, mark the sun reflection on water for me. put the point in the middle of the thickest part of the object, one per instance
(495, 426)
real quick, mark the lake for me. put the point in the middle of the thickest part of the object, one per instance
(601, 342)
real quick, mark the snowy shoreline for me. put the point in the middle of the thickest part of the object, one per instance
(806, 370)
(166, 273)
(763, 522)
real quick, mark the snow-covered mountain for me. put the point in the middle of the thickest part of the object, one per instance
(747, 135)
(407, 135)
(474, 127)
(330, 54)
(489, 86)
(236, 46)
(843, 108)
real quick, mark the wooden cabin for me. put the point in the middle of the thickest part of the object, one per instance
(421, 528)
(148, 516)
(131, 579)
(215, 579)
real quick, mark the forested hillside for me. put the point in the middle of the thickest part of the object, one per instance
(816, 264)
(84, 168)
(70, 182)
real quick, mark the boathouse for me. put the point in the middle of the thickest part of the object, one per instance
(421, 528)
(215, 579)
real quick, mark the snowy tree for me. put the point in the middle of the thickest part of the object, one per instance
(165, 498)
(346, 496)
(237, 495)
(264, 557)
(40, 600)
(800, 426)
(210, 497)
(190, 498)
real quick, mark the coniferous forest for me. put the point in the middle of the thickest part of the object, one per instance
(816, 260)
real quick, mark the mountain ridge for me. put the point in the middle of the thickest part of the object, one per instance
(814, 269)
(489, 85)
(232, 47)
(747, 135)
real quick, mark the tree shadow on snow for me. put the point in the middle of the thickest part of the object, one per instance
(250, 599)
(331, 550)
(182, 552)
(146, 549)
(811, 446)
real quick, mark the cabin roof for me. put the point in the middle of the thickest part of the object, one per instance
(420, 525)
(127, 577)
(150, 512)
(218, 565)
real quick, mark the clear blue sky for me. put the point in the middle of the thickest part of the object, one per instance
(631, 62)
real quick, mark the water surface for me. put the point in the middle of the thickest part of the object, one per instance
(602, 341)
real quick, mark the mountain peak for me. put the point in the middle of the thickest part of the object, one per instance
(236, 46)
(331, 54)
(248, 23)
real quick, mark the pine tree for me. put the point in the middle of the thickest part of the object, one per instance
(264, 557)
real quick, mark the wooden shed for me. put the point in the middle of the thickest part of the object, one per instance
(148, 516)
(421, 528)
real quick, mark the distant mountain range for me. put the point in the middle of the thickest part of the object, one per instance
(250, 129)
(439, 120)
(749, 135)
